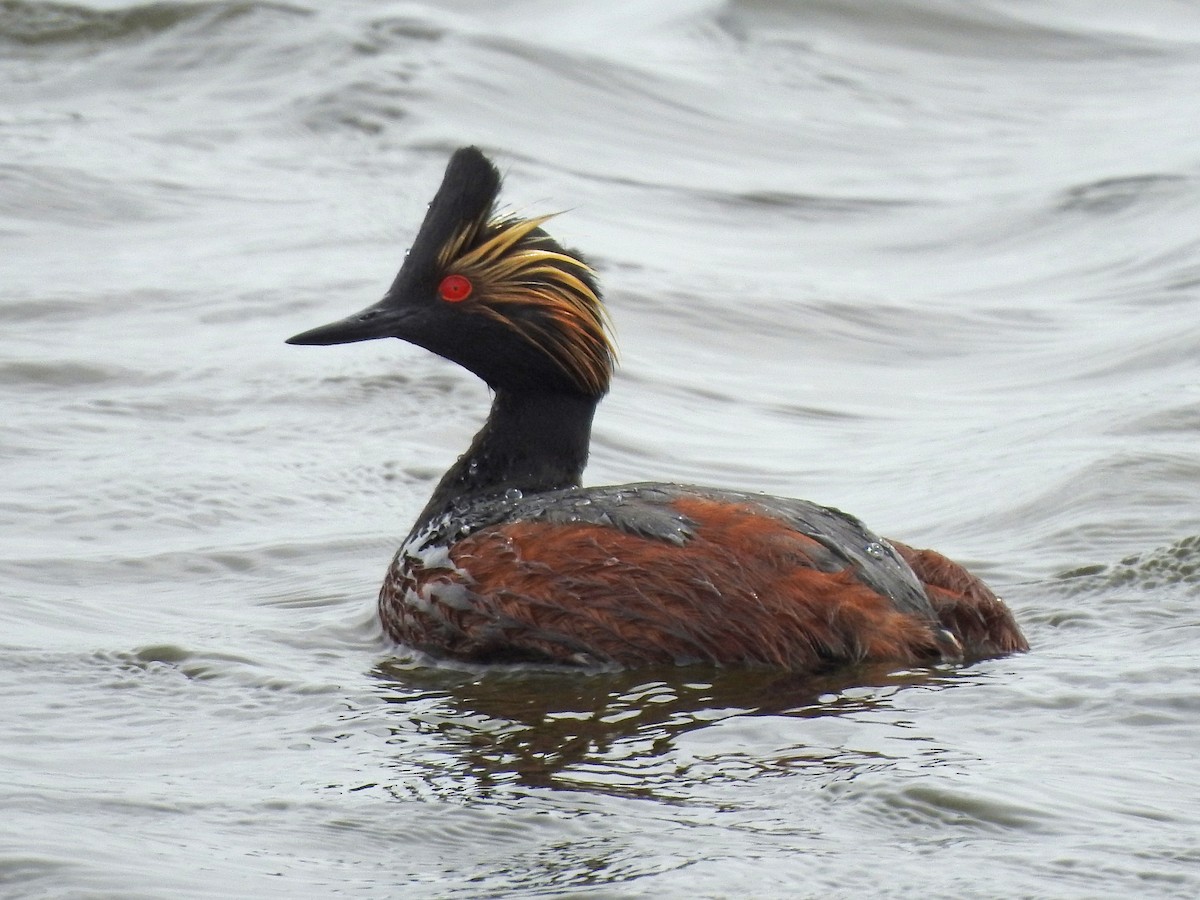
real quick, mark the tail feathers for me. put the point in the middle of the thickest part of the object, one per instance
(966, 607)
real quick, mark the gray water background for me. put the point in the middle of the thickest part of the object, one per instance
(935, 263)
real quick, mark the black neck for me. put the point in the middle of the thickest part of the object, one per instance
(531, 442)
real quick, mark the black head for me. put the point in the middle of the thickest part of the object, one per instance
(497, 296)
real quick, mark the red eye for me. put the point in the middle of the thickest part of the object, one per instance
(455, 288)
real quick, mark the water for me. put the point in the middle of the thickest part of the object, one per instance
(934, 263)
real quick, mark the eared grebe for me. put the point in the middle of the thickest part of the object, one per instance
(512, 560)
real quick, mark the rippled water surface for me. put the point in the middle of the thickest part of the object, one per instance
(936, 263)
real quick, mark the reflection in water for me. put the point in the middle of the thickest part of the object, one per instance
(619, 733)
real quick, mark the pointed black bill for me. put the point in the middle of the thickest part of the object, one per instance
(378, 321)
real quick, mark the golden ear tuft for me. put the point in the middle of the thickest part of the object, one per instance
(514, 267)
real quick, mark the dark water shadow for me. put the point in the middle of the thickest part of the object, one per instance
(615, 732)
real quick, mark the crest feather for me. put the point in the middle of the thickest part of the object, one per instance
(517, 269)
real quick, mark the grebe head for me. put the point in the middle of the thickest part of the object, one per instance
(497, 295)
